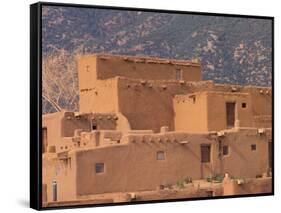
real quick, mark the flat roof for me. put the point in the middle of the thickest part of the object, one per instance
(146, 59)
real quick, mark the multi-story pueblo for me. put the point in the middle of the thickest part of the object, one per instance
(151, 129)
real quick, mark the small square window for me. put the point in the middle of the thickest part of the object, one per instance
(94, 127)
(253, 147)
(99, 168)
(225, 150)
(160, 155)
(244, 105)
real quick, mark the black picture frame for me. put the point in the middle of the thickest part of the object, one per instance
(36, 102)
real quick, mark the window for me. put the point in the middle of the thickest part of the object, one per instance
(178, 74)
(94, 126)
(205, 153)
(225, 150)
(244, 105)
(253, 147)
(160, 155)
(99, 168)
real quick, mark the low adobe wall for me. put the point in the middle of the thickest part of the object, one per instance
(249, 186)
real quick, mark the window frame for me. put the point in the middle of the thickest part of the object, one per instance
(255, 147)
(163, 155)
(96, 168)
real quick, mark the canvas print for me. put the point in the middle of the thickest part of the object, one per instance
(141, 105)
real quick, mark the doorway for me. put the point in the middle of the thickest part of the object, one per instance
(230, 114)
(206, 166)
(55, 191)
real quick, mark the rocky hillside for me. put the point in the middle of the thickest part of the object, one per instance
(231, 50)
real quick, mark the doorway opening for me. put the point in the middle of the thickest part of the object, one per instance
(230, 114)
(55, 191)
(205, 153)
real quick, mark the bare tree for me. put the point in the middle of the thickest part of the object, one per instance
(60, 81)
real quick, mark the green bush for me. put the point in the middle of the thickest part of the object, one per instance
(188, 180)
(216, 178)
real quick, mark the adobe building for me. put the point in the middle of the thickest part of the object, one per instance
(146, 123)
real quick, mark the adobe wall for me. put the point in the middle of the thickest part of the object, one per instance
(99, 96)
(216, 107)
(70, 123)
(44, 193)
(252, 186)
(260, 99)
(241, 160)
(191, 112)
(261, 106)
(149, 104)
(100, 67)
(53, 124)
(133, 166)
(64, 174)
(87, 72)
(62, 124)
(257, 113)
(122, 123)
(106, 121)
(107, 84)
(206, 111)
(64, 128)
